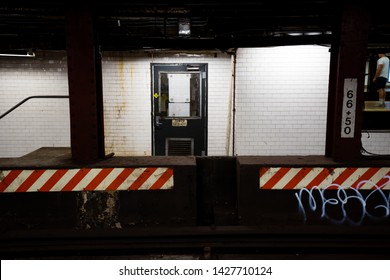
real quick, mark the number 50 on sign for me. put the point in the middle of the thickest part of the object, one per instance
(349, 109)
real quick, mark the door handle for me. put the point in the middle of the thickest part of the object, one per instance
(157, 121)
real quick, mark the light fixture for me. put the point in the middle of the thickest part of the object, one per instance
(184, 27)
(18, 53)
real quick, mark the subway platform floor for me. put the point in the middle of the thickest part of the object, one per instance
(61, 157)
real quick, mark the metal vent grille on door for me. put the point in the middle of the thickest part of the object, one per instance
(179, 146)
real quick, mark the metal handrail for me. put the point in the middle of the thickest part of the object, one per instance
(31, 97)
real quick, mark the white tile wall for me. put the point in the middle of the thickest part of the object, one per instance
(38, 122)
(127, 100)
(376, 143)
(281, 100)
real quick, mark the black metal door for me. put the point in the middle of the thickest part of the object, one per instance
(179, 101)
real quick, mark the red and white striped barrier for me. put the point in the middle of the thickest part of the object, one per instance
(86, 179)
(286, 178)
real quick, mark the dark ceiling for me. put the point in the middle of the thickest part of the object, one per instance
(126, 25)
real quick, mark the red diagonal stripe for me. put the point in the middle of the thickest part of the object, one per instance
(53, 180)
(120, 179)
(276, 178)
(162, 180)
(344, 176)
(320, 178)
(263, 170)
(11, 176)
(30, 180)
(142, 178)
(297, 178)
(383, 181)
(98, 179)
(75, 180)
(366, 176)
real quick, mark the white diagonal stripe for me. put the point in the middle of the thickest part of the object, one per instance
(109, 179)
(4, 173)
(286, 178)
(376, 178)
(309, 177)
(41, 181)
(153, 178)
(354, 177)
(64, 180)
(330, 179)
(131, 179)
(168, 184)
(18, 181)
(92, 173)
(367, 183)
(268, 175)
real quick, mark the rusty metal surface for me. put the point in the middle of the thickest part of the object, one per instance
(85, 91)
(283, 241)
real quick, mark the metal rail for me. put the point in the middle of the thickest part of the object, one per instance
(199, 243)
(31, 97)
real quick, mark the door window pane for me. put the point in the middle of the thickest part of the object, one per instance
(195, 95)
(180, 95)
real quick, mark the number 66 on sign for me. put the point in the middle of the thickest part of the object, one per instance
(349, 108)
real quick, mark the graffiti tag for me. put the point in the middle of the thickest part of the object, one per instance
(345, 204)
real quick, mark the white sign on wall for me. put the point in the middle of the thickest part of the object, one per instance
(349, 108)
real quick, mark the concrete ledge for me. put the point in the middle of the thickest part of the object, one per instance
(304, 161)
(88, 207)
(217, 191)
(338, 203)
(62, 158)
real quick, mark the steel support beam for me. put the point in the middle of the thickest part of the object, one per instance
(348, 60)
(85, 86)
